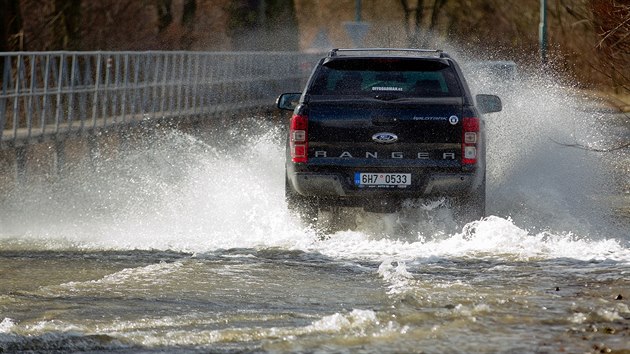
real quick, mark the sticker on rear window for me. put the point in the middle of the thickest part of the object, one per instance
(385, 88)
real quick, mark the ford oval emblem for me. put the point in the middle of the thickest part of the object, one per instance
(385, 138)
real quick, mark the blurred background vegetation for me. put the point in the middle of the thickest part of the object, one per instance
(589, 40)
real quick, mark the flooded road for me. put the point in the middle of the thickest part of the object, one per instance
(186, 245)
(278, 300)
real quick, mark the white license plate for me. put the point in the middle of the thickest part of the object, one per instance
(382, 179)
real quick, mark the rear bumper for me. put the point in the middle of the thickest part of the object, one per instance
(316, 184)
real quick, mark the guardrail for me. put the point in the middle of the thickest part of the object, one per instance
(51, 95)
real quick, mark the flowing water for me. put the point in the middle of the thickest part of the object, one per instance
(184, 244)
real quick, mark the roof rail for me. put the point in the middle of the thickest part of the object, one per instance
(338, 51)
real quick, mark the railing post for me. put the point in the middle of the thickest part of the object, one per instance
(42, 119)
(73, 78)
(145, 82)
(3, 100)
(85, 76)
(154, 87)
(195, 85)
(164, 95)
(59, 110)
(134, 111)
(97, 82)
(125, 90)
(29, 113)
(188, 71)
(171, 89)
(180, 83)
(105, 96)
(16, 99)
(116, 90)
(204, 83)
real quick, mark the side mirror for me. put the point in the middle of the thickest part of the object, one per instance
(288, 101)
(489, 103)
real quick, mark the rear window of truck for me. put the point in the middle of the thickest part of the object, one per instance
(402, 77)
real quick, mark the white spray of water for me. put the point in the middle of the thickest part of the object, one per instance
(6, 325)
(182, 194)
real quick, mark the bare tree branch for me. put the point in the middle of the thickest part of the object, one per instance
(613, 31)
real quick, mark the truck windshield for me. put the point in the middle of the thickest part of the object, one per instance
(399, 77)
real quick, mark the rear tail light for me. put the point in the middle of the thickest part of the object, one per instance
(298, 138)
(470, 140)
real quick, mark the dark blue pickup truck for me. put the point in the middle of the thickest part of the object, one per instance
(376, 127)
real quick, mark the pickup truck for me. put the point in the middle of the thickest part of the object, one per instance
(375, 127)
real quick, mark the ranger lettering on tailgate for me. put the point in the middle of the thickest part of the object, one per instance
(392, 155)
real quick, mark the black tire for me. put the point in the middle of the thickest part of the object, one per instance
(305, 208)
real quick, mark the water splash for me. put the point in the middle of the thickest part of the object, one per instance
(180, 193)
(6, 325)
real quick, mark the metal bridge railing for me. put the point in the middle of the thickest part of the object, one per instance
(52, 94)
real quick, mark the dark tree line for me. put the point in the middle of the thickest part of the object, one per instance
(35, 25)
(148, 24)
